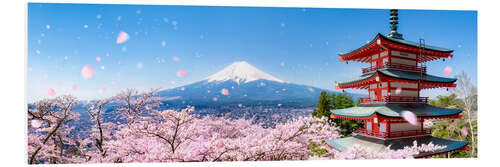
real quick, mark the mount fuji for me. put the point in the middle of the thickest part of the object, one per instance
(242, 84)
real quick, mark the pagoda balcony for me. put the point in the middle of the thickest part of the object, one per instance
(393, 99)
(387, 65)
(393, 134)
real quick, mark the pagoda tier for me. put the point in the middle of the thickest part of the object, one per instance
(344, 144)
(383, 46)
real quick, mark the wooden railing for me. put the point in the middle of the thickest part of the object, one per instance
(393, 99)
(395, 66)
(394, 134)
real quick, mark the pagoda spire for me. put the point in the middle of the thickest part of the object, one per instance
(394, 25)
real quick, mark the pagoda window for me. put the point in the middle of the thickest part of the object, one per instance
(385, 60)
(384, 92)
(373, 86)
(382, 128)
(375, 57)
(368, 126)
(383, 85)
(372, 94)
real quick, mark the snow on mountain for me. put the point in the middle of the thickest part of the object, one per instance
(241, 72)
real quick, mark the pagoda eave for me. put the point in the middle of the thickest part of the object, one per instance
(381, 42)
(392, 119)
(428, 82)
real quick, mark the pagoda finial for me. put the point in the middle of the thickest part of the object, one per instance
(394, 25)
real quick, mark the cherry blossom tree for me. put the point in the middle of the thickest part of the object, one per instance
(49, 139)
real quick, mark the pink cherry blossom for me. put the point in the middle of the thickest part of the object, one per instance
(447, 71)
(74, 87)
(224, 91)
(398, 90)
(36, 123)
(181, 73)
(410, 117)
(122, 37)
(87, 72)
(98, 59)
(464, 131)
(50, 91)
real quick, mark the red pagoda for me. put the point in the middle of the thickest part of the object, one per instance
(396, 74)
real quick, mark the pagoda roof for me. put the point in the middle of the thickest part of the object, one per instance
(344, 144)
(400, 41)
(400, 74)
(395, 110)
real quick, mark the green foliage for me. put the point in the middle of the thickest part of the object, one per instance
(331, 101)
(451, 128)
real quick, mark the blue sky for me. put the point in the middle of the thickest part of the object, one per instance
(298, 45)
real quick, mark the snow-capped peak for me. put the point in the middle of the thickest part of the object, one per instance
(241, 72)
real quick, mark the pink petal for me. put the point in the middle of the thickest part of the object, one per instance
(240, 105)
(74, 87)
(182, 89)
(224, 91)
(107, 54)
(104, 89)
(87, 72)
(214, 99)
(279, 105)
(85, 26)
(398, 91)
(36, 123)
(50, 91)
(122, 37)
(98, 59)
(464, 131)
(447, 71)
(311, 90)
(181, 73)
(410, 117)
(175, 58)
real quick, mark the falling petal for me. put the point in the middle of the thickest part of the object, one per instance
(98, 59)
(107, 55)
(182, 89)
(240, 105)
(102, 67)
(224, 91)
(447, 71)
(85, 26)
(311, 90)
(87, 72)
(214, 99)
(175, 58)
(36, 123)
(174, 23)
(279, 105)
(464, 131)
(410, 117)
(122, 37)
(47, 26)
(37, 52)
(181, 73)
(50, 91)
(74, 87)
(398, 91)
(104, 89)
